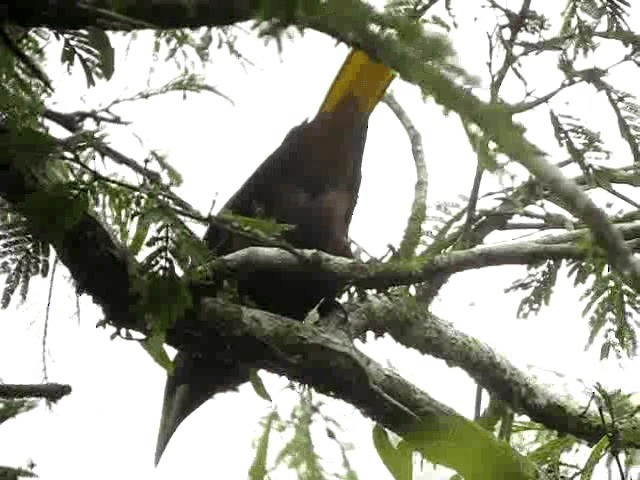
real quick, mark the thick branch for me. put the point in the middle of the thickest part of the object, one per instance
(128, 14)
(50, 391)
(320, 357)
(411, 325)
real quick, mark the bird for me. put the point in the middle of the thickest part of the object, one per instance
(311, 183)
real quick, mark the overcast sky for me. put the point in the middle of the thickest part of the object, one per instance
(107, 428)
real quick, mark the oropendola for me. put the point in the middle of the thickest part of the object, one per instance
(311, 182)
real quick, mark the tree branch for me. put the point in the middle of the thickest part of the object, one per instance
(413, 231)
(49, 391)
(381, 276)
(409, 323)
(128, 14)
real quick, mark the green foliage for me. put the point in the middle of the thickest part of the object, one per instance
(597, 452)
(611, 303)
(21, 256)
(258, 470)
(21, 97)
(581, 18)
(456, 443)
(92, 48)
(166, 299)
(584, 16)
(586, 146)
(260, 227)
(397, 458)
(165, 168)
(492, 414)
(550, 452)
(152, 229)
(627, 111)
(141, 230)
(464, 446)
(180, 46)
(147, 220)
(440, 231)
(540, 281)
(169, 247)
(21, 101)
(120, 208)
(618, 406)
(583, 144)
(154, 346)
(172, 244)
(298, 453)
(258, 385)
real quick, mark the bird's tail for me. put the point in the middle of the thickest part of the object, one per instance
(193, 382)
(360, 77)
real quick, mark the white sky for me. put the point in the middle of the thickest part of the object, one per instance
(107, 428)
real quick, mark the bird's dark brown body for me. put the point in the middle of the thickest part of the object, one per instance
(312, 189)
(310, 182)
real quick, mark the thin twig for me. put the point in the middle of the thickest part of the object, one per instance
(45, 375)
(413, 231)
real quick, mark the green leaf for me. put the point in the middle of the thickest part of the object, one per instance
(192, 251)
(597, 453)
(99, 40)
(258, 385)
(398, 460)
(175, 178)
(262, 225)
(139, 236)
(552, 449)
(462, 445)
(258, 470)
(141, 232)
(154, 346)
(167, 299)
